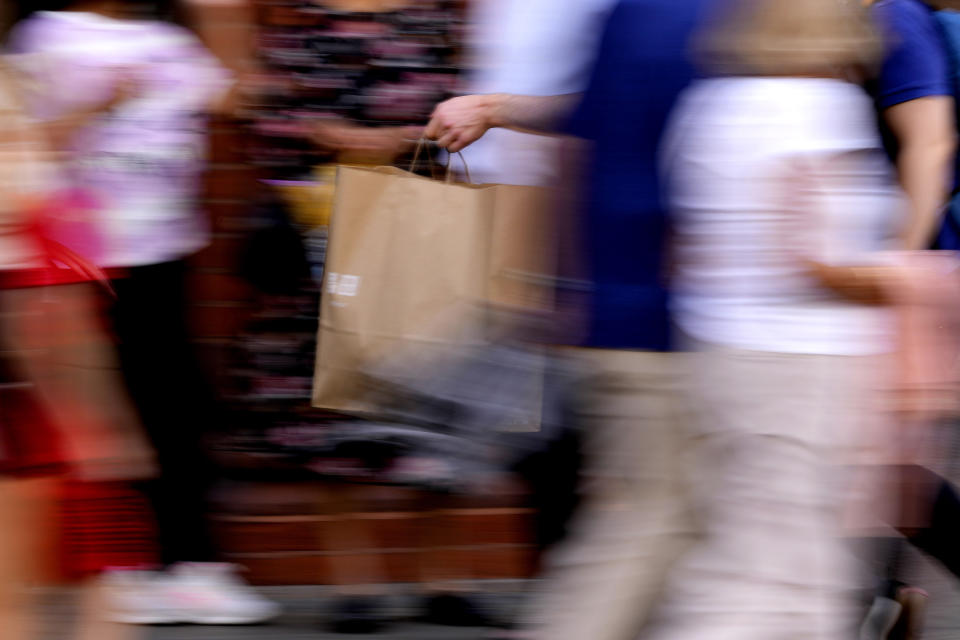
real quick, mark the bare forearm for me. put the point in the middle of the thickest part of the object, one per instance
(926, 131)
(866, 284)
(537, 114)
(226, 27)
(925, 173)
(460, 122)
(60, 132)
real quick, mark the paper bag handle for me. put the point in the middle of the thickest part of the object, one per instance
(449, 173)
(466, 169)
(416, 157)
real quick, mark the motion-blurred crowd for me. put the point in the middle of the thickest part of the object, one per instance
(745, 379)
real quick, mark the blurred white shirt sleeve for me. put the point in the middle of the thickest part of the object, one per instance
(529, 47)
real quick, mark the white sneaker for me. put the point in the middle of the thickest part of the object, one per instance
(212, 593)
(136, 597)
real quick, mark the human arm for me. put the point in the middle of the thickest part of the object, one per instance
(60, 131)
(34, 89)
(925, 130)
(459, 122)
(914, 93)
(863, 284)
(227, 30)
(357, 144)
(835, 204)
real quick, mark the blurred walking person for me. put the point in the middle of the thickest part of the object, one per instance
(789, 287)
(141, 162)
(63, 407)
(604, 580)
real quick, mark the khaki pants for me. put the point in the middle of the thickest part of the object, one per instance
(604, 580)
(773, 442)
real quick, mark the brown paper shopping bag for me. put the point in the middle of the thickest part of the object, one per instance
(410, 262)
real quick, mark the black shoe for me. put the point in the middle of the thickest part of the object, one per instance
(356, 614)
(455, 611)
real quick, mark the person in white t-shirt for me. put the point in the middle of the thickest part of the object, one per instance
(65, 410)
(786, 217)
(141, 162)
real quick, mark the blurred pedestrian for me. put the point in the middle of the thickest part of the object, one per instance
(141, 161)
(63, 406)
(786, 212)
(604, 580)
(527, 47)
(915, 96)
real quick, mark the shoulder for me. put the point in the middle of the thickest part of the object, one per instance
(902, 13)
(907, 23)
(916, 63)
(902, 8)
(32, 34)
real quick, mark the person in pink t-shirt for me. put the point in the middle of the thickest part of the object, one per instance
(142, 162)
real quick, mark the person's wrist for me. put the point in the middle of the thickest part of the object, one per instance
(495, 110)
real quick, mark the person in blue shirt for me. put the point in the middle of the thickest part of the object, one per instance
(604, 579)
(641, 69)
(914, 95)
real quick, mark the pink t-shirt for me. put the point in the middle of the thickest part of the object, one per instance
(143, 161)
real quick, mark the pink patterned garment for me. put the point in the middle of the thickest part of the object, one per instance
(143, 161)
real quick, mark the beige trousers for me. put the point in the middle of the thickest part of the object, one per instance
(772, 445)
(604, 580)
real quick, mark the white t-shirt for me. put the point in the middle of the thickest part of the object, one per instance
(142, 162)
(529, 47)
(764, 173)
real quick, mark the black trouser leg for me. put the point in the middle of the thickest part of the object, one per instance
(941, 537)
(175, 404)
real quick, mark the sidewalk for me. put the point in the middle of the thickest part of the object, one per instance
(305, 617)
(304, 614)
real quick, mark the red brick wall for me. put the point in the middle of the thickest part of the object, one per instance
(278, 533)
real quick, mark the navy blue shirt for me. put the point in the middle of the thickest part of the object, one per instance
(642, 67)
(915, 64)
